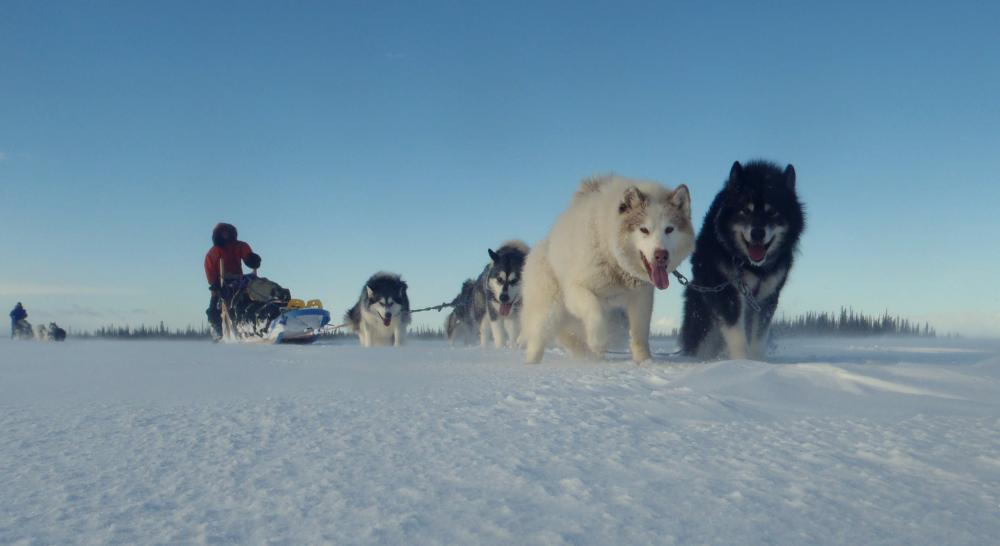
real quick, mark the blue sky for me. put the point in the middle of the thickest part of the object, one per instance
(343, 138)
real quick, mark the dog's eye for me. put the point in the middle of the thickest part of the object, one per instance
(747, 210)
(512, 282)
(644, 231)
(669, 230)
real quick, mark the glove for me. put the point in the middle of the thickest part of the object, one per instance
(252, 260)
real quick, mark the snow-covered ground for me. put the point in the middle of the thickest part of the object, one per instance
(836, 442)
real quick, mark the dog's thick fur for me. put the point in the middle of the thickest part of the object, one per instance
(496, 304)
(382, 313)
(460, 326)
(56, 333)
(751, 232)
(617, 240)
(52, 332)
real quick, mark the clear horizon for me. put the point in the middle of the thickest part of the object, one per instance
(346, 138)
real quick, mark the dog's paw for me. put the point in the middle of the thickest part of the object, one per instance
(533, 355)
(641, 355)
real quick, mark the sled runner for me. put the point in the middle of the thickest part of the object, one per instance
(258, 310)
(23, 330)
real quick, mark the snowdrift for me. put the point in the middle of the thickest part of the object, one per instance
(837, 442)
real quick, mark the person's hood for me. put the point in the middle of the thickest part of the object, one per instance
(224, 234)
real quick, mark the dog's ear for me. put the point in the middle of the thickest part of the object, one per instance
(493, 255)
(790, 176)
(632, 198)
(735, 173)
(370, 292)
(681, 198)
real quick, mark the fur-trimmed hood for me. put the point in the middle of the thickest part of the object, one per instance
(224, 234)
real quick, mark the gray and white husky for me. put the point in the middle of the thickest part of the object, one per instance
(461, 326)
(382, 313)
(496, 303)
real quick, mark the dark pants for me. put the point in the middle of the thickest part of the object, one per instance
(214, 313)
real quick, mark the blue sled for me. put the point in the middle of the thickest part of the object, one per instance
(298, 325)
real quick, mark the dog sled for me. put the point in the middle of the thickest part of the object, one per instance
(23, 330)
(257, 310)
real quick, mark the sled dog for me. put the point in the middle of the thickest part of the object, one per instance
(56, 333)
(382, 313)
(461, 326)
(618, 240)
(496, 304)
(749, 237)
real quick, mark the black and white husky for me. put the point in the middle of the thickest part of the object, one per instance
(496, 303)
(745, 250)
(382, 313)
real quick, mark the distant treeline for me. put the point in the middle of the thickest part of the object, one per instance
(850, 323)
(146, 332)
(190, 332)
(847, 322)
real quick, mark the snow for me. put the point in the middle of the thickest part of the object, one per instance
(835, 442)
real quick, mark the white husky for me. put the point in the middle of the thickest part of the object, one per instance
(618, 239)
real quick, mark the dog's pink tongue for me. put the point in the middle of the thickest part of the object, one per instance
(505, 308)
(387, 320)
(757, 252)
(661, 277)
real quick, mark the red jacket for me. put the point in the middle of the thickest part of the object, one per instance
(232, 256)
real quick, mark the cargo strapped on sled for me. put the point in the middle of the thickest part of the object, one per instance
(261, 289)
